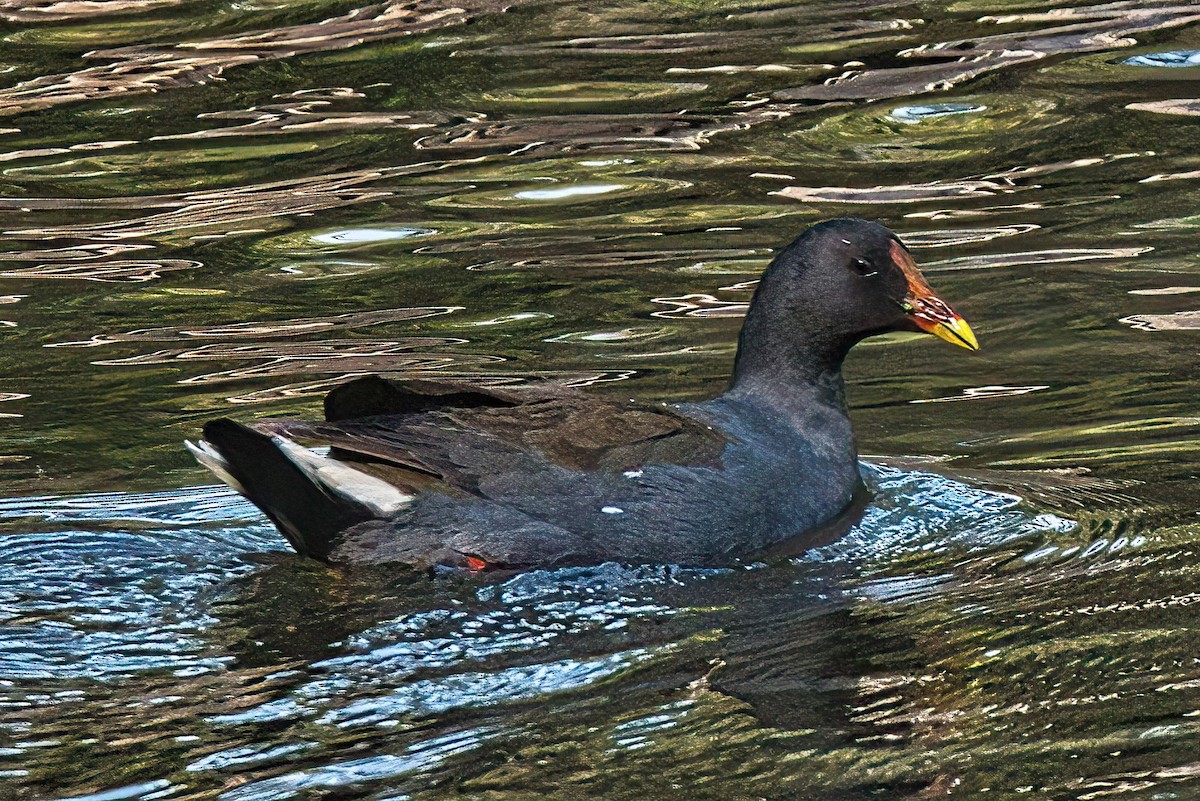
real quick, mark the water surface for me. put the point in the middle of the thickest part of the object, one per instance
(226, 209)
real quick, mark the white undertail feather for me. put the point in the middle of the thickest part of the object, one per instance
(380, 497)
(211, 458)
(339, 478)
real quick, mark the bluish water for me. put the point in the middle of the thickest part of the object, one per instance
(165, 644)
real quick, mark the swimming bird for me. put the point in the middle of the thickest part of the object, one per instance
(436, 473)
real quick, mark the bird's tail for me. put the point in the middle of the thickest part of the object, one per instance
(310, 497)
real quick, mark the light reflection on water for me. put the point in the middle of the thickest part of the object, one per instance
(103, 604)
(358, 236)
(111, 586)
(914, 114)
(221, 209)
(1175, 58)
(564, 192)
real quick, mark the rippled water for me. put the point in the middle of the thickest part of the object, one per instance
(214, 208)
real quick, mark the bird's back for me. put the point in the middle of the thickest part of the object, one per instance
(506, 478)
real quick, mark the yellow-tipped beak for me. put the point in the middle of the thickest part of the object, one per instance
(929, 312)
(956, 332)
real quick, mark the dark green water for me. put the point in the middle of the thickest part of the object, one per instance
(225, 209)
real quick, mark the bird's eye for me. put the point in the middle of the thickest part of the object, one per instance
(865, 268)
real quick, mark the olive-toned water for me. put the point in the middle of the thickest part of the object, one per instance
(227, 208)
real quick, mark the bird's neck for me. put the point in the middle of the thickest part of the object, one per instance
(795, 380)
(785, 366)
(792, 376)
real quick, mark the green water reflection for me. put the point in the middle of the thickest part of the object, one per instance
(225, 209)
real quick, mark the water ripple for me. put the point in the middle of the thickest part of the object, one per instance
(415, 759)
(481, 690)
(106, 604)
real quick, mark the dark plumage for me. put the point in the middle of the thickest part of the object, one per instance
(432, 472)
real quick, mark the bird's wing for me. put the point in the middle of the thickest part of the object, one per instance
(472, 439)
